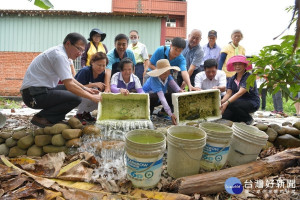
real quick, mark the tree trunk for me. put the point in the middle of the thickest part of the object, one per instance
(213, 182)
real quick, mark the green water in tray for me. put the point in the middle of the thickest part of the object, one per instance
(189, 136)
(145, 138)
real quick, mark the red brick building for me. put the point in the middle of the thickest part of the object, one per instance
(174, 26)
(12, 70)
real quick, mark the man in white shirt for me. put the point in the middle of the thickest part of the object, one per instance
(211, 77)
(40, 89)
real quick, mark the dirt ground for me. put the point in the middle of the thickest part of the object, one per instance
(18, 118)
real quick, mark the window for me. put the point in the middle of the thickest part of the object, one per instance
(171, 23)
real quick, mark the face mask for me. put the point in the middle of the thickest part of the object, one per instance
(134, 41)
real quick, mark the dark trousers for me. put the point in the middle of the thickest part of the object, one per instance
(55, 103)
(263, 98)
(192, 78)
(238, 111)
(139, 71)
(154, 101)
(277, 101)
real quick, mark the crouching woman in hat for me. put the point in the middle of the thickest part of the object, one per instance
(157, 86)
(95, 45)
(125, 81)
(238, 102)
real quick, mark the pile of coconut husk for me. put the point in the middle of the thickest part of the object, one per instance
(51, 139)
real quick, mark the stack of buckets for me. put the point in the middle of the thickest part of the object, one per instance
(247, 143)
(217, 146)
(189, 149)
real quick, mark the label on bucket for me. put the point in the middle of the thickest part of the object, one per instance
(144, 172)
(214, 157)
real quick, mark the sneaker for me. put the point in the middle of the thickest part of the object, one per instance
(167, 117)
(88, 117)
(274, 112)
(81, 118)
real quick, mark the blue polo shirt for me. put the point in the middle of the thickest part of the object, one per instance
(251, 96)
(160, 54)
(85, 76)
(211, 53)
(153, 84)
(193, 56)
(113, 57)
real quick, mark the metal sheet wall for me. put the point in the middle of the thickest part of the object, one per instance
(37, 33)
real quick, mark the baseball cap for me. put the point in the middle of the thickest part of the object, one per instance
(212, 33)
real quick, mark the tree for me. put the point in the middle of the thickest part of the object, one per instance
(284, 59)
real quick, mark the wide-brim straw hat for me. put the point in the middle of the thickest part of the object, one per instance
(238, 59)
(162, 66)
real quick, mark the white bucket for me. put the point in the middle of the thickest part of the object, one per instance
(185, 147)
(144, 157)
(217, 146)
(246, 144)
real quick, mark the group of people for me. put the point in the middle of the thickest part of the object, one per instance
(184, 65)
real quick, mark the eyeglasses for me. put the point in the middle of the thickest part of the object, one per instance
(80, 50)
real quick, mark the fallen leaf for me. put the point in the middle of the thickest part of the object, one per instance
(13, 183)
(51, 163)
(79, 185)
(49, 194)
(43, 181)
(159, 195)
(79, 172)
(1, 192)
(8, 172)
(22, 161)
(28, 190)
(68, 167)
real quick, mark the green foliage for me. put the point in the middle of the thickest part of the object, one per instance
(280, 66)
(9, 104)
(45, 4)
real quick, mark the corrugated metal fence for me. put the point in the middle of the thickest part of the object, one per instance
(37, 33)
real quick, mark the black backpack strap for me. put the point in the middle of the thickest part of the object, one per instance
(165, 48)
